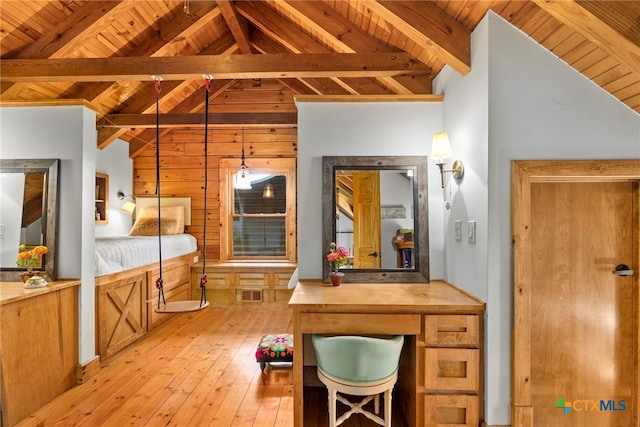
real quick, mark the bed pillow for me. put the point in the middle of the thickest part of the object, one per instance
(147, 221)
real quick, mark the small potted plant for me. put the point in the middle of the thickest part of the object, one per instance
(28, 259)
(337, 257)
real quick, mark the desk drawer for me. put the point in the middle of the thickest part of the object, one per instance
(451, 410)
(451, 330)
(453, 369)
(356, 323)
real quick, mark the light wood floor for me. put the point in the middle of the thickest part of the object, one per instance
(198, 369)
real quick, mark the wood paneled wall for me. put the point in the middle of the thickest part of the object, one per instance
(182, 169)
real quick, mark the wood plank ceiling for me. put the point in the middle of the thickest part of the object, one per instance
(261, 54)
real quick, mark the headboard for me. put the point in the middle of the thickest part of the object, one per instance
(146, 201)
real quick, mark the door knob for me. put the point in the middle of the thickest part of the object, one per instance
(374, 254)
(623, 270)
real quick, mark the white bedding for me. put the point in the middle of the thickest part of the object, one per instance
(119, 253)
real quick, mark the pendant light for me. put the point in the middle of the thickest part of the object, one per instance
(267, 192)
(242, 181)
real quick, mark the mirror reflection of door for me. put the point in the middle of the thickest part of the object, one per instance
(366, 224)
(21, 214)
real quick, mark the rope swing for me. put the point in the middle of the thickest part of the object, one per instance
(189, 305)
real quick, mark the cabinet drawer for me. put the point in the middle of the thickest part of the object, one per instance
(452, 331)
(172, 278)
(451, 410)
(451, 369)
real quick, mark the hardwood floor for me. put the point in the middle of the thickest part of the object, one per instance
(198, 369)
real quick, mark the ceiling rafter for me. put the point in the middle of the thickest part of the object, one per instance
(342, 33)
(430, 27)
(237, 24)
(295, 40)
(578, 17)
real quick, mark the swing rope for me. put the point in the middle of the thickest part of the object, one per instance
(159, 281)
(203, 279)
(181, 306)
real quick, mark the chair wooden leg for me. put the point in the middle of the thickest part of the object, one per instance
(376, 404)
(332, 407)
(387, 408)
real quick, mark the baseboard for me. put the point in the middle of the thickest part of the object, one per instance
(483, 424)
(87, 371)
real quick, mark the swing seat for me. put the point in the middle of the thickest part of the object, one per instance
(274, 348)
(181, 306)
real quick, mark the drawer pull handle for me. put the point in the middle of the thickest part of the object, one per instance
(461, 329)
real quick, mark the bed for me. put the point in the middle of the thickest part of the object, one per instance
(127, 267)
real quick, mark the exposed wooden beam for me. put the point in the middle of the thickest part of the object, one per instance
(580, 18)
(430, 27)
(293, 39)
(222, 67)
(197, 120)
(237, 24)
(345, 36)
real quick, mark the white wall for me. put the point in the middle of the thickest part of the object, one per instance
(114, 161)
(67, 133)
(359, 129)
(519, 102)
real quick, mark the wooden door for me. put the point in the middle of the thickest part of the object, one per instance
(575, 351)
(366, 219)
(582, 328)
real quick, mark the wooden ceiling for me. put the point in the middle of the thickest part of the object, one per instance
(262, 54)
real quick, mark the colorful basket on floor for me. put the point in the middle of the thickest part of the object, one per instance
(274, 348)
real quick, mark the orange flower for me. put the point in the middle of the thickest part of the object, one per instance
(30, 259)
(40, 250)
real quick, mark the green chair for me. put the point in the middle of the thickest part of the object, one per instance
(358, 366)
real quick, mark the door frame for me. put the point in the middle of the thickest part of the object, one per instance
(524, 173)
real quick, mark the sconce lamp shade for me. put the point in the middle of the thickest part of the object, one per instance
(128, 207)
(242, 180)
(441, 148)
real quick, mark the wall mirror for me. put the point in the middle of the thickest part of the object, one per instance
(377, 208)
(29, 190)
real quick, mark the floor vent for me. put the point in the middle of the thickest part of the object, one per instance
(250, 295)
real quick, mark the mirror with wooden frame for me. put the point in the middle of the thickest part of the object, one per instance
(376, 208)
(29, 190)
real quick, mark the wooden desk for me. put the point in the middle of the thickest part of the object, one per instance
(39, 345)
(440, 378)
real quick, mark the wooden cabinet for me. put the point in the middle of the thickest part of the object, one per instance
(451, 361)
(102, 198)
(234, 283)
(39, 342)
(440, 380)
(125, 302)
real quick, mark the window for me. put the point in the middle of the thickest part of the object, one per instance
(258, 222)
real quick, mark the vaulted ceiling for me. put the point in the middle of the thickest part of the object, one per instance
(127, 57)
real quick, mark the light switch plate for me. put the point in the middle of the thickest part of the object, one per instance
(472, 231)
(457, 225)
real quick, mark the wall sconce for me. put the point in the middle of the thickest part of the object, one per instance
(441, 150)
(128, 206)
(267, 192)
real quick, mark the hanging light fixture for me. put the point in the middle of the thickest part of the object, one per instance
(242, 181)
(267, 192)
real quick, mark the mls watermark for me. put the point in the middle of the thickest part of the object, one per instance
(585, 405)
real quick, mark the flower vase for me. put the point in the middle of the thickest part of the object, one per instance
(336, 278)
